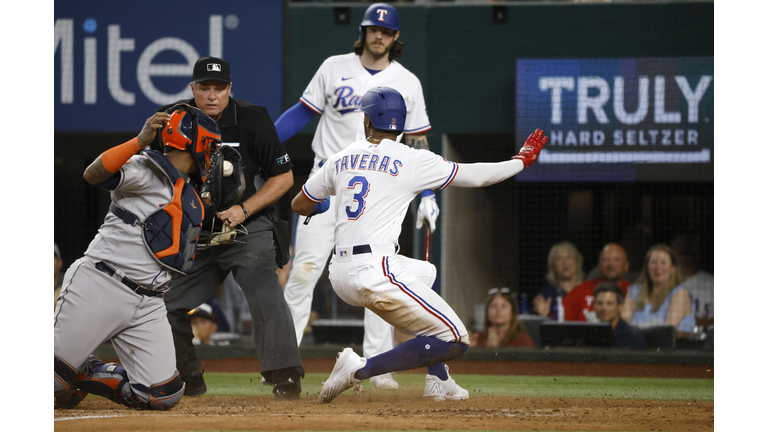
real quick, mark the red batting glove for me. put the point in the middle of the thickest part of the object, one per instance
(533, 145)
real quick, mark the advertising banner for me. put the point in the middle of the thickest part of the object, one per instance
(116, 62)
(618, 119)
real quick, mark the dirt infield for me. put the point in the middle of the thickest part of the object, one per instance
(404, 411)
(408, 410)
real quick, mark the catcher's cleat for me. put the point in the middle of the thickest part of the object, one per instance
(343, 376)
(441, 390)
(70, 398)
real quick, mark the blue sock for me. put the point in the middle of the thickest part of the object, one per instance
(413, 354)
(438, 370)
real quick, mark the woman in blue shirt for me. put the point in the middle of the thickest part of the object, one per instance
(657, 298)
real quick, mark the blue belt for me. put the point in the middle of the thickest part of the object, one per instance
(357, 250)
(138, 288)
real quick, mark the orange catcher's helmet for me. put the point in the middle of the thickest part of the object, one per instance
(193, 131)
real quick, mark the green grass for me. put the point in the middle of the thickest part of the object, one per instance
(664, 389)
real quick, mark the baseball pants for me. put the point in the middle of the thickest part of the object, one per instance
(382, 283)
(94, 307)
(313, 245)
(251, 259)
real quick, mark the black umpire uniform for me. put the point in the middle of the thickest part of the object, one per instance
(250, 258)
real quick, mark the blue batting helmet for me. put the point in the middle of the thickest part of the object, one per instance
(382, 15)
(385, 107)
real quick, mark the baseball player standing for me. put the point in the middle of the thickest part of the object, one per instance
(373, 181)
(335, 93)
(250, 258)
(116, 290)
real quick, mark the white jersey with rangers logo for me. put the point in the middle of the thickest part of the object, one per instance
(374, 185)
(336, 91)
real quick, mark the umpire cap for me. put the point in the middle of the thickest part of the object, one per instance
(382, 15)
(385, 107)
(211, 68)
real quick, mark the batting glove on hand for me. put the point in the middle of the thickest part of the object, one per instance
(428, 211)
(321, 207)
(533, 145)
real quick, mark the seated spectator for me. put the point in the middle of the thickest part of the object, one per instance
(613, 265)
(658, 298)
(564, 265)
(698, 282)
(203, 324)
(57, 276)
(608, 301)
(502, 326)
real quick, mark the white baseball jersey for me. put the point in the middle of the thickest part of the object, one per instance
(337, 90)
(374, 185)
(122, 245)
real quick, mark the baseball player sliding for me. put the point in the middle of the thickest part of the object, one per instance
(116, 290)
(335, 93)
(373, 180)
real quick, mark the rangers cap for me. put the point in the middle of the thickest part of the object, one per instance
(211, 68)
(382, 15)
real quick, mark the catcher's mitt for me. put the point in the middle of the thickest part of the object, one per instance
(220, 191)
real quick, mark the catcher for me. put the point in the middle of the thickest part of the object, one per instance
(115, 291)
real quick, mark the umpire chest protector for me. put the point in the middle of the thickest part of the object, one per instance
(170, 234)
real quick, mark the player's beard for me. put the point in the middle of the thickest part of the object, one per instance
(377, 51)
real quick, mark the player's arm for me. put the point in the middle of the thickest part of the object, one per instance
(417, 141)
(302, 205)
(108, 163)
(293, 120)
(486, 174)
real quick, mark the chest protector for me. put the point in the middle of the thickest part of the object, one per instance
(170, 233)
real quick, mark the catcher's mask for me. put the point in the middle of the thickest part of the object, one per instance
(193, 131)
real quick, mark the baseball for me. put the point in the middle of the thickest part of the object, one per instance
(228, 168)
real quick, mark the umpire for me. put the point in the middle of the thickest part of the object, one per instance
(250, 257)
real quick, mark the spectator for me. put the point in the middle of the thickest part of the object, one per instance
(203, 324)
(612, 264)
(57, 276)
(698, 282)
(608, 301)
(564, 265)
(502, 326)
(657, 298)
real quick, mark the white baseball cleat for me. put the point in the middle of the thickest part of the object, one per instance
(343, 376)
(442, 390)
(384, 382)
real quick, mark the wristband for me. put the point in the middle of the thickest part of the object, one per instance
(244, 212)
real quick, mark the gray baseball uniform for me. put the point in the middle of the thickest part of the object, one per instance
(95, 306)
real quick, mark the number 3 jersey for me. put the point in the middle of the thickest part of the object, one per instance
(374, 185)
(337, 90)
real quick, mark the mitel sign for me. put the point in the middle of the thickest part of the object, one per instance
(114, 63)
